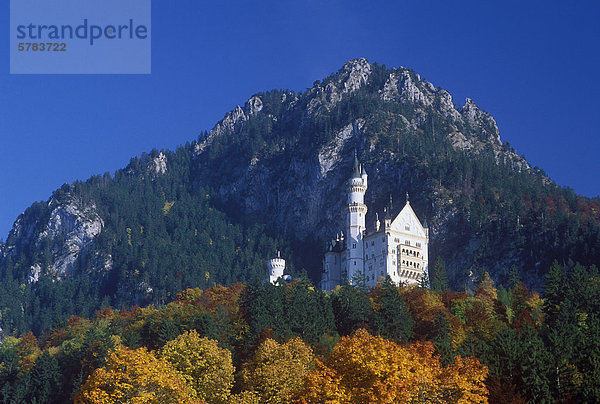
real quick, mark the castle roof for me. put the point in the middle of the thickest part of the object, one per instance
(399, 217)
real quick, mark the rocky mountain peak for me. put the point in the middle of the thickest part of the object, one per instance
(354, 74)
(481, 120)
(253, 106)
(349, 79)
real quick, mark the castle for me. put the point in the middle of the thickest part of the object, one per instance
(396, 248)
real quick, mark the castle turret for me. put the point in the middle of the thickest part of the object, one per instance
(276, 266)
(357, 210)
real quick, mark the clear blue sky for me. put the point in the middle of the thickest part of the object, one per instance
(533, 65)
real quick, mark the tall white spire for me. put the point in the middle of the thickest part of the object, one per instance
(357, 210)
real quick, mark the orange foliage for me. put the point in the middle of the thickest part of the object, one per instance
(425, 306)
(189, 295)
(106, 313)
(28, 350)
(218, 295)
(371, 369)
(486, 316)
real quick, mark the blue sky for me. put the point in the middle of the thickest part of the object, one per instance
(533, 65)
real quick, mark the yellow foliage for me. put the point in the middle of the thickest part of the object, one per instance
(27, 350)
(245, 397)
(189, 295)
(486, 287)
(370, 369)
(206, 367)
(167, 207)
(535, 304)
(276, 372)
(134, 376)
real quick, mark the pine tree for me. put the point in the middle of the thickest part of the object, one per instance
(351, 309)
(439, 278)
(392, 320)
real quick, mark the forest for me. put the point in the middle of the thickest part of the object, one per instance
(166, 303)
(292, 342)
(192, 225)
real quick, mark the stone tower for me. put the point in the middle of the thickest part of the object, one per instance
(276, 266)
(357, 211)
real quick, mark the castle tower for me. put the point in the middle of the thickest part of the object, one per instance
(276, 266)
(357, 210)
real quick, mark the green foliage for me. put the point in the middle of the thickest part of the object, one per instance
(296, 309)
(439, 277)
(530, 359)
(391, 319)
(351, 309)
(161, 233)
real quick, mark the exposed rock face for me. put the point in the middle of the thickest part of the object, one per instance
(68, 231)
(481, 120)
(160, 163)
(253, 106)
(303, 195)
(294, 177)
(330, 154)
(348, 80)
(237, 116)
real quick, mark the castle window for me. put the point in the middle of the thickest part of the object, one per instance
(354, 245)
(396, 240)
(354, 262)
(393, 262)
(383, 239)
(417, 254)
(393, 251)
(372, 243)
(419, 245)
(407, 242)
(407, 228)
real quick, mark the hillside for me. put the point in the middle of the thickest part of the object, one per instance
(292, 343)
(270, 175)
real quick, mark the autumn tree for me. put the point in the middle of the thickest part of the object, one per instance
(135, 376)
(370, 369)
(205, 367)
(276, 371)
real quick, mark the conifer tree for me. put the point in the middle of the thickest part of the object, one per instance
(439, 277)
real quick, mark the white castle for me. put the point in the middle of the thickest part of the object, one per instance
(396, 248)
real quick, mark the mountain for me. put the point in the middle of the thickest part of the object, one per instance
(271, 175)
